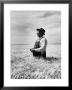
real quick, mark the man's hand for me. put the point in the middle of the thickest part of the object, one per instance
(32, 49)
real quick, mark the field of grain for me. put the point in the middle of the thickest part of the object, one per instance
(25, 66)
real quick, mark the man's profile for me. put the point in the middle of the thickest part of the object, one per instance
(39, 49)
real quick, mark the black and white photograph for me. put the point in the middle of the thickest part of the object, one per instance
(36, 44)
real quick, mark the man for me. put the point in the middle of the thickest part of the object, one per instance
(39, 49)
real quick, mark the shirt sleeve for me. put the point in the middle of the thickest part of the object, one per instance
(42, 44)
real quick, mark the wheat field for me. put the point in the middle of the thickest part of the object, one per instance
(25, 66)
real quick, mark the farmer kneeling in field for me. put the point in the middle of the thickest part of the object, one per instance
(39, 49)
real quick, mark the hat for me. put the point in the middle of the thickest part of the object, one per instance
(41, 30)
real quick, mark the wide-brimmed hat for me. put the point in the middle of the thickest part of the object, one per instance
(41, 30)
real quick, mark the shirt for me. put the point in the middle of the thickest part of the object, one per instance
(40, 45)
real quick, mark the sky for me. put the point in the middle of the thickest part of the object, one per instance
(24, 25)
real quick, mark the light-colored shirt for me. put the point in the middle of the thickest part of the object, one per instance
(43, 44)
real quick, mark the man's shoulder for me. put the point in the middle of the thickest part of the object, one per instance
(43, 39)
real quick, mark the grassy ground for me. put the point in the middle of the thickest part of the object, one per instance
(32, 68)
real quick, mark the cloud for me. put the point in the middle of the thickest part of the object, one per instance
(49, 13)
(24, 24)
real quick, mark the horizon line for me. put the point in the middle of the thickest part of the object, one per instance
(30, 44)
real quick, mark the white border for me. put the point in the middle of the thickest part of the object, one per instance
(64, 8)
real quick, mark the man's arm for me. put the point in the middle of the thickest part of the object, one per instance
(42, 44)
